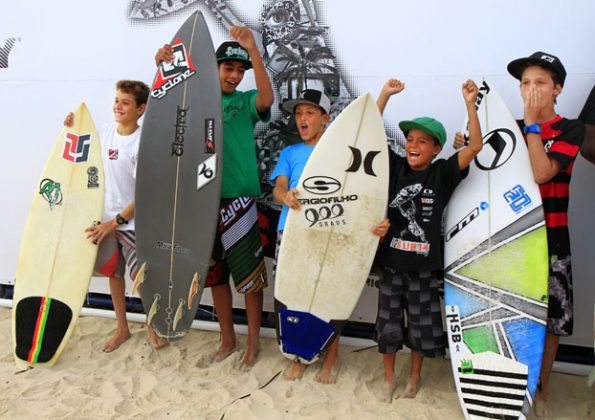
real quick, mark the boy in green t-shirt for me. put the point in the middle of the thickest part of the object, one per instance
(238, 249)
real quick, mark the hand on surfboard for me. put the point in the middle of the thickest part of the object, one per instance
(459, 140)
(98, 232)
(69, 120)
(290, 199)
(381, 228)
(165, 53)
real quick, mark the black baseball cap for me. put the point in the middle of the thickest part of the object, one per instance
(232, 50)
(309, 96)
(541, 59)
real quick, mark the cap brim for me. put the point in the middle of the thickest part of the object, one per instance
(290, 105)
(246, 62)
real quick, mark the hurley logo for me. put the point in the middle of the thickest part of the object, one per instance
(76, 148)
(548, 58)
(5, 51)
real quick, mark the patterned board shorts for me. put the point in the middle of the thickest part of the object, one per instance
(115, 252)
(412, 296)
(238, 248)
(560, 317)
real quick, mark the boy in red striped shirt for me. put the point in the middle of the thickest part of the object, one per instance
(553, 143)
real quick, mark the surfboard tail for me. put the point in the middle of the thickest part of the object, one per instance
(41, 325)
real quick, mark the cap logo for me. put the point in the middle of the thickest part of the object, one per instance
(236, 52)
(548, 58)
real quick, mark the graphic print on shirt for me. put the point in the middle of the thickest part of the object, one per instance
(404, 202)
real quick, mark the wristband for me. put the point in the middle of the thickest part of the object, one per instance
(534, 128)
(120, 220)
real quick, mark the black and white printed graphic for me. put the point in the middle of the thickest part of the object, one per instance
(206, 172)
(366, 163)
(5, 51)
(413, 238)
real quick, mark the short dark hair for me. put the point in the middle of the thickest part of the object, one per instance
(136, 88)
(555, 76)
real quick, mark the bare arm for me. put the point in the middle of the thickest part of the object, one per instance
(99, 232)
(265, 97)
(283, 195)
(543, 167)
(390, 88)
(470, 91)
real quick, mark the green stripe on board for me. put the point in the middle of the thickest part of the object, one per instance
(519, 267)
(480, 339)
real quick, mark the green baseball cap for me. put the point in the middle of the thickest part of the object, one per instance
(428, 125)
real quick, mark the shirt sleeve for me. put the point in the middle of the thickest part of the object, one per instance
(282, 167)
(257, 116)
(566, 147)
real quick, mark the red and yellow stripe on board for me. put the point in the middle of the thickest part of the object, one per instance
(42, 317)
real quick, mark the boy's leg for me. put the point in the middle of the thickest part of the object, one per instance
(414, 375)
(330, 368)
(254, 302)
(223, 307)
(559, 323)
(117, 288)
(390, 382)
(294, 372)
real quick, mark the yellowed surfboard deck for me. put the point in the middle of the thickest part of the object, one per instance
(56, 260)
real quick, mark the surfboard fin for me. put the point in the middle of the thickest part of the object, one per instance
(153, 310)
(179, 313)
(140, 277)
(194, 289)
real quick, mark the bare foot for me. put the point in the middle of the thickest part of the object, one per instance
(541, 406)
(387, 391)
(224, 351)
(250, 355)
(294, 372)
(156, 341)
(328, 373)
(411, 389)
(119, 337)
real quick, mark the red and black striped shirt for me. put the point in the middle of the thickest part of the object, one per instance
(561, 139)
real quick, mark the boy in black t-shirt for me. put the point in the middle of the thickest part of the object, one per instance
(410, 255)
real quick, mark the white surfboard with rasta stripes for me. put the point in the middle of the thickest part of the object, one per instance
(56, 260)
(496, 269)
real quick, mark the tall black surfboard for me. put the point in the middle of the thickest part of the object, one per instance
(179, 181)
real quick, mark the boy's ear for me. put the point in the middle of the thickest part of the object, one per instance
(141, 110)
(557, 89)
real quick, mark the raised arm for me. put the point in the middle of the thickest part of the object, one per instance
(466, 155)
(245, 37)
(390, 88)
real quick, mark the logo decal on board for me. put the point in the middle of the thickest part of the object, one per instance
(462, 224)
(76, 148)
(177, 146)
(51, 192)
(321, 185)
(368, 161)
(93, 177)
(206, 172)
(498, 148)
(209, 135)
(5, 51)
(517, 198)
(172, 74)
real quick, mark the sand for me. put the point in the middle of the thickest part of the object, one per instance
(136, 381)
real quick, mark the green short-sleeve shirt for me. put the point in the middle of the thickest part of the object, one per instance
(240, 171)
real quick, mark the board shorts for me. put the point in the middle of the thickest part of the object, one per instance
(560, 316)
(238, 248)
(115, 252)
(411, 296)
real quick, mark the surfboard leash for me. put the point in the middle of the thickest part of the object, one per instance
(248, 395)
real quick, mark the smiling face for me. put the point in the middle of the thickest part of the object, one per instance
(310, 122)
(541, 79)
(231, 74)
(126, 110)
(420, 149)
